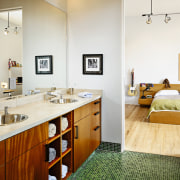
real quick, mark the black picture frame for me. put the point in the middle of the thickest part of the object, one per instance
(44, 64)
(93, 64)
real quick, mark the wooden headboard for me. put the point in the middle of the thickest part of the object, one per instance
(153, 90)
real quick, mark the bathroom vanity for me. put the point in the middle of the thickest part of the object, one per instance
(24, 146)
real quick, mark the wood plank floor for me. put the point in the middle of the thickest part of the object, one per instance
(142, 136)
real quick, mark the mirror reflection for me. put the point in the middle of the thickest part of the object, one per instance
(11, 79)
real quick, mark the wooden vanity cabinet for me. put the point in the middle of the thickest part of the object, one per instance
(87, 131)
(25, 155)
(2, 160)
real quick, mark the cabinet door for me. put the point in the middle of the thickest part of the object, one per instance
(81, 141)
(2, 160)
(29, 166)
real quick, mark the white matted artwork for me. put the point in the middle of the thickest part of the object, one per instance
(44, 64)
(93, 64)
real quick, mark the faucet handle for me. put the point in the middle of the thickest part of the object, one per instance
(5, 110)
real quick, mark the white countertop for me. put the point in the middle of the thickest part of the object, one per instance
(40, 112)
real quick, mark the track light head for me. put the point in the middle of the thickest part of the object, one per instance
(149, 20)
(167, 18)
(6, 31)
(16, 30)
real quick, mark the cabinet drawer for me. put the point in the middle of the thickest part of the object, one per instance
(96, 106)
(95, 138)
(146, 101)
(95, 120)
(82, 112)
(24, 141)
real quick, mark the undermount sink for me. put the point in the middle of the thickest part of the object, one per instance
(63, 101)
(12, 118)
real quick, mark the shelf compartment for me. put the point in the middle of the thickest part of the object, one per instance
(68, 138)
(55, 170)
(56, 121)
(57, 145)
(67, 160)
(69, 118)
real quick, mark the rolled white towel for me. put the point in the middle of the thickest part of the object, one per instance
(52, 177)
(52, 129)
(64, 145)
(64, 171)
(85, 94)
(52, 154)
(64, 123)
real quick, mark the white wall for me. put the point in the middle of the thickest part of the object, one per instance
(10, 47)
(152, 50)
(44, 33)
(95, 27)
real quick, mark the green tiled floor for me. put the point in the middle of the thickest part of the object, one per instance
(104, 165)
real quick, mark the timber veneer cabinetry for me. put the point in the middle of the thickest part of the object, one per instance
(25, 155)
(2, 160)
(87, 131)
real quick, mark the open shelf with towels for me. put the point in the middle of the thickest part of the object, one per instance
(60, 130)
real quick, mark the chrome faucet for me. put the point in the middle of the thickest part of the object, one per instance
(6, 110)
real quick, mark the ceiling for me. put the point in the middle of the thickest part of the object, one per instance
(139, 7)
(15, 17)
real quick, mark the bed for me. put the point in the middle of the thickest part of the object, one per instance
(165, 107)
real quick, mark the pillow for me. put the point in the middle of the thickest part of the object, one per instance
(166, 93)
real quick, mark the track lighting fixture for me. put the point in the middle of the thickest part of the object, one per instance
(6, 31)
(166, 20)
(8, 28)
(149, 20)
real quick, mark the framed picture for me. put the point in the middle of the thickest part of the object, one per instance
(13, 63)
(44, 64)
(93, 64)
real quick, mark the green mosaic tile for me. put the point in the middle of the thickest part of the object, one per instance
(104, 165)
(110, 146)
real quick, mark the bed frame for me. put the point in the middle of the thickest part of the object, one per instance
(165, 117)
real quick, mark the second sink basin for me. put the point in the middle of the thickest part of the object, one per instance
(12, 118)
(63, 101)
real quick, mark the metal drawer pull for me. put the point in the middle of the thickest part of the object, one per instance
(96, 113)
(96, 128)
(47, 152)
(97, 102)
(76, 137)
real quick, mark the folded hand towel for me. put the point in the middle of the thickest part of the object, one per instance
(52, 177)
(85, 94)
(52, 154)
(64, 171)
(52, 129)
(64, 123)
(64, 145)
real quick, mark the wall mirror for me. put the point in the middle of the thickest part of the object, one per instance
(41, 31)
(11, 51)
